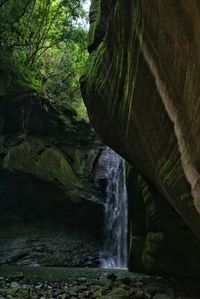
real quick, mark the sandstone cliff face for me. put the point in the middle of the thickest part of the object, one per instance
(142, 93)
(48, 199)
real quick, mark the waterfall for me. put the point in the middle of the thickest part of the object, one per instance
(112, 175)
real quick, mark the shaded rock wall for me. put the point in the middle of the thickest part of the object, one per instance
(47, 158)
(43, 140)
(141, 89)
(160, 241)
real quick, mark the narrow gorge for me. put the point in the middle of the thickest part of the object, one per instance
(99, 149)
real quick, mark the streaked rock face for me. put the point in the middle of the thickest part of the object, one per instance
(141, 88)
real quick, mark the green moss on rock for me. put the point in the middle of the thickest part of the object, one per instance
(50, 165)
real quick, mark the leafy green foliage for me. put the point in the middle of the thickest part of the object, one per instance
(44, 40)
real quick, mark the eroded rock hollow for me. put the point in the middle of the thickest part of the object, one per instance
(51, 212)
(142, 93)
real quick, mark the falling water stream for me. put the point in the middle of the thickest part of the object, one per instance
(114, 253)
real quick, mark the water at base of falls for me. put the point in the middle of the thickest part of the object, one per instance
(114, 253)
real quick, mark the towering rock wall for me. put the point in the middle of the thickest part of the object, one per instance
(141, 89)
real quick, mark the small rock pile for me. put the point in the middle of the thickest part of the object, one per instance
(108, 286)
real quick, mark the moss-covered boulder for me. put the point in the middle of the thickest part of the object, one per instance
(49, 165)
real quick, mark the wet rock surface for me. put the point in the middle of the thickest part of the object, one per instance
(104, 284)
(48, 245)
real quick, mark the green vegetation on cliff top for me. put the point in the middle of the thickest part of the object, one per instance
(46, 42)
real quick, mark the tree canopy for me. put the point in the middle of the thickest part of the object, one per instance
(45, 40)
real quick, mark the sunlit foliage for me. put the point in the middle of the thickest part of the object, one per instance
(45, 41)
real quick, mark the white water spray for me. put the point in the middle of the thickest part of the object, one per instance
(114, 253)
